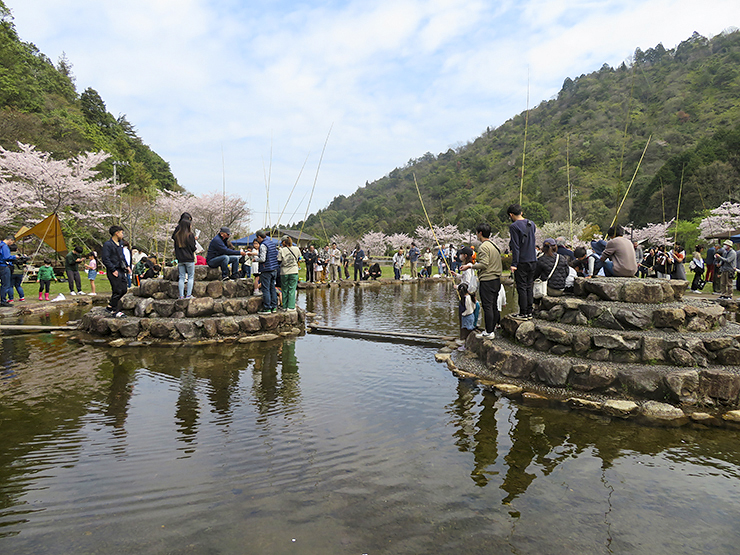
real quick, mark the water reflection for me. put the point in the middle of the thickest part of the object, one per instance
(344, 445)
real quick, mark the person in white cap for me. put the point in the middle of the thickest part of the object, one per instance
(727, 259)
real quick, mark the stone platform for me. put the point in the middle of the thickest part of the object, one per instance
(218, 311)
(624, 339)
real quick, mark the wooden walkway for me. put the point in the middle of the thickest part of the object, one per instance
(20, 329)
(375, 335)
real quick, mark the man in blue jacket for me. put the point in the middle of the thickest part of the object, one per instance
(220, 255)
(268, 262)
(6, 269)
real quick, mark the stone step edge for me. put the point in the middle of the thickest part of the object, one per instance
(691, 386)
(643, 411)
(622, 346)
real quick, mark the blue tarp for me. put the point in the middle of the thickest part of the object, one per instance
(245, 240)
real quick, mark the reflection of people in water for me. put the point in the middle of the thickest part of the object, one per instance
(188, 411)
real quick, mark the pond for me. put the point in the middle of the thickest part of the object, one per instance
(331, 445)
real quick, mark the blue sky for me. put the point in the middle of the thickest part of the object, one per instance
(264, 81)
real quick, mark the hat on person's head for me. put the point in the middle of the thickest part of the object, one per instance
(727, 243)
(225, 230)
(550, 241)
(465, 250)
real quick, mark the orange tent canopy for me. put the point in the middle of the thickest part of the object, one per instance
(49, 231)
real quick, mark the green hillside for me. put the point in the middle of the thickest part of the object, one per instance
(687, 99)
(40, 105)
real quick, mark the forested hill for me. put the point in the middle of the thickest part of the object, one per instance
(40, 105)
(687, 99)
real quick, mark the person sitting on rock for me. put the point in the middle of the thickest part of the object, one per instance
(219, 255)
(551, 259)
(619, 255)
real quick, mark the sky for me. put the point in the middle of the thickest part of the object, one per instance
(246, 93)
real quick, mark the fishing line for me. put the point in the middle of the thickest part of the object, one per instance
(439, 246)
(291, 191)
(524, 149)
(314, 181)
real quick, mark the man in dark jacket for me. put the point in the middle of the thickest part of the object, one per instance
(116, 269)
(220, 255)
(268, 264)
(310, 257)
(523, 258)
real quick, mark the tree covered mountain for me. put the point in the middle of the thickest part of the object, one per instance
(685, 100)
(40, 105)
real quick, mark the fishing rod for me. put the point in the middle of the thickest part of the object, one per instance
(524, 149)
(626, 123)
(434, 234)
(627, 192)
(280, 217)
(678, 206)
(570, 188)
(314, 181)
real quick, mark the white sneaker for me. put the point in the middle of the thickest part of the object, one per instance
(80, 292)
(484, 334)
(72, 293)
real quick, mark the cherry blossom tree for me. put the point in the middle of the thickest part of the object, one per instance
(33, 185)
(562, 229)
(445, 235)
(651, 234)
(398, 240)
(343, 242)
(723, 220)
(375, 242)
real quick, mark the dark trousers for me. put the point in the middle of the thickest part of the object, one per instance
(73, 278)
(524, 279)
(489, 301)
(44, 285)
(697, 278)
(118, 286)
(358, 271)
(6, 282)
(269, 292)
(309, 272)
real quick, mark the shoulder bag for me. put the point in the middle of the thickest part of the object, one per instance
(540, 286)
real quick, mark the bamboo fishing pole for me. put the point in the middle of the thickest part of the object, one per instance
(570, 188)
(678, 206)
(316, 178)
(626, 124)
(524, 148)
(627, 192)
(434, 234)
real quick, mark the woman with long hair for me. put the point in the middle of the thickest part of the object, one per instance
(185, 253)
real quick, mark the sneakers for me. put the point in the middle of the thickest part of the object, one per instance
(72, 293)
(80, 293)
(22, 299)
(484, 335)
(119, 315)
(264, 311)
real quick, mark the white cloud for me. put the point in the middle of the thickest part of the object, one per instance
(396, 78)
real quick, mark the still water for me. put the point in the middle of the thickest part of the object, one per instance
(334, 445)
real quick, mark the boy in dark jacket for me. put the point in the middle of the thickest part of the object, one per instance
(116, 269)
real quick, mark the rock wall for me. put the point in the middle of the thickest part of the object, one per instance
(616, 340)
(218, 311)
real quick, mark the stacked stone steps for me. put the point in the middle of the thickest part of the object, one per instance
(710, 386)
(654, 346)
(218, 311)
(621, 337)
(692, 316)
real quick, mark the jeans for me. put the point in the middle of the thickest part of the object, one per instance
(185, 268)
(396, 272)
(489, 300)
(267, 286)
(16, 280)
(608, 268)
(358, 270)
(524, 278)
(223, 261)
(5, 282)
(290, 284)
